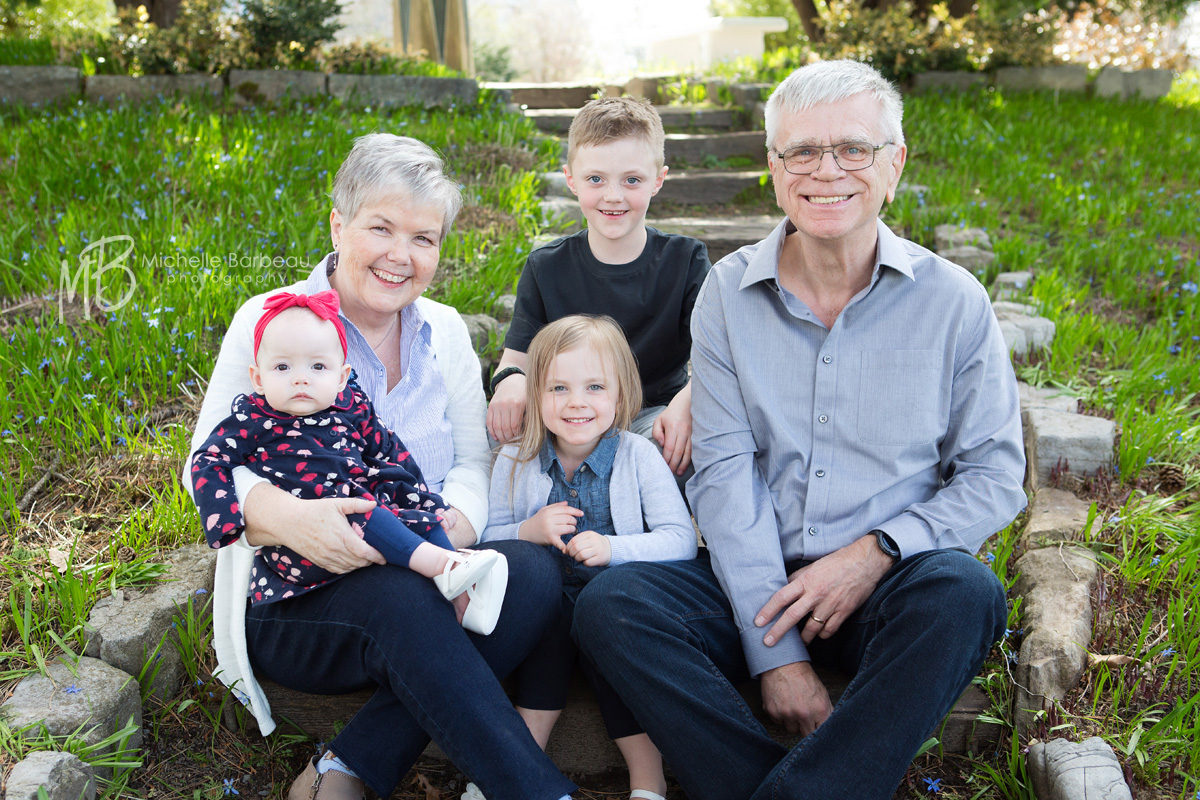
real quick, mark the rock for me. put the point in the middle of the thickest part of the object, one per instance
(1032, 397)
(404, 90)
(971, 258)
(1009, 308)
(1056, 584)
(722, 234)
(564, 215)
(127, 627)
(504, 306)
(1081, 444)
(257, 85)
(550, 95)
(1011, 284)
(39, 85)
(1023, 333)
(113, 89)
(691, 117)
(554, 184)
(947, 237)
(1067, 78)
(647, 86)
(749, 95)
(480, 328)
(1110, 82)
(1087, 770)
(709, 186)
(954, 81)
(1120, 83)
(62, 775)
(1055, 516)
(96, 701)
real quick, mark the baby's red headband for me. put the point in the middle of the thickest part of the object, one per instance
(323, 304)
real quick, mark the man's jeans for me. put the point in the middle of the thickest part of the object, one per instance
(664, 636)
(389, 627)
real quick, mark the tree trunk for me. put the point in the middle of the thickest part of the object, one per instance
(162, 12)
(810, 18)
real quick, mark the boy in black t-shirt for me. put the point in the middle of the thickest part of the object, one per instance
(644, 279)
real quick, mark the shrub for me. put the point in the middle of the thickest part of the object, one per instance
(287, 33)
(203, 39)
(376, 58)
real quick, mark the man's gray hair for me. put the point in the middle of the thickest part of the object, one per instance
(382, 165)
(830, 82)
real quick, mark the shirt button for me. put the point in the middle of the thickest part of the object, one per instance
(574, 493)
(823, 419)
(827, 359)
(820, 473)
(812, 531)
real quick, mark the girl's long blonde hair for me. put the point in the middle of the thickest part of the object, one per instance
(606, 337)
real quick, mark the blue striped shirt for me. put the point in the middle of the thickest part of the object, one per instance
(903, 417)
(415, 408)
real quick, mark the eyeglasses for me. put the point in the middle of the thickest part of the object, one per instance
(850, 156)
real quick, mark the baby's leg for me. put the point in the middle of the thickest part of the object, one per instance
(397, 542)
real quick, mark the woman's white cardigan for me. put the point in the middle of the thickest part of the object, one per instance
(465, 486)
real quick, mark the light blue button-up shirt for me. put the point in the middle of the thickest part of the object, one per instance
(903, 417)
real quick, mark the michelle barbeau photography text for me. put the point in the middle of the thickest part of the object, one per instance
(103, 275)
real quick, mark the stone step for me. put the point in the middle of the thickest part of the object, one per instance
(558, 120)
(581, 747)
(723, 235)
(708, 186)
(694, 148)
(548, 95)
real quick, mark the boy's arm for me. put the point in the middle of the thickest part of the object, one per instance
(506, 412)
(673, 430)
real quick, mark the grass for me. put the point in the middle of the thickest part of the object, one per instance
(1098, 199)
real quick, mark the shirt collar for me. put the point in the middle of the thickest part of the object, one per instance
(600, 461)
(764, 263)
(411, 318)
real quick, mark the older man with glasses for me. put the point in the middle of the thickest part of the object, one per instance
(856, 438)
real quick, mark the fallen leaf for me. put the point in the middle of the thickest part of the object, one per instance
(58, 558)
(1111, 660)
(430, 792)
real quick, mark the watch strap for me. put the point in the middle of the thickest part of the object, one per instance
(887, 544)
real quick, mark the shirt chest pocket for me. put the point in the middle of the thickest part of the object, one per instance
(899, 397)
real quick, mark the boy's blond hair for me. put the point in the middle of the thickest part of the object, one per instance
(607, 119)
(606, 337)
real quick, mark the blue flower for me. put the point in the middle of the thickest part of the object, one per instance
(72, 689)
(1161, 376)
(933, 784)
(229, 787)
(1167, 651)
(87, 376)
(1174, 349)
(61, 342)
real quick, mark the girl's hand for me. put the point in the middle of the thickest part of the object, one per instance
(549, 525)
(590, 549)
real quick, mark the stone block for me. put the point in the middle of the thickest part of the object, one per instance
(971, 258)
(127, 627)
(480, 327)
(551, 120)
(690, 117)
(1076, 443)
(722, 234)
(272, 85)
(952, 81)
(1149, 84)
(404, 90)
(1009, 285)
(1032, 397)
(564, 215)
(1023, 333)
(647, 86)
(1056, 584)
(948, 237)
(708, 187)
(62, 775)
(96, 700)
(694, 148)
(1110, 82)
(554, 184)
(550, 95)
(504, 306)
(1087, 770)
(1066, 78)
(114, 89)
(748, 95)
(1011, 309)
(39, 85)
(1054, 516)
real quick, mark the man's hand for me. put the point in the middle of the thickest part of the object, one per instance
(550, 524)
(673, 431)
(826, 591)
(795, 698)
(316, 529)
(590, 549)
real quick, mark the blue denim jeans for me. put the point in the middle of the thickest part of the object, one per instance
(389, 627)
(664, 636)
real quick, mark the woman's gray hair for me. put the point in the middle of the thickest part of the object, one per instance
(382, 165)
(830, 82)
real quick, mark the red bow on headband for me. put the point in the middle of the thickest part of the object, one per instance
(323, 304)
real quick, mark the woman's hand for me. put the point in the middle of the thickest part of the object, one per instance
(590, 549)
(550, 524)
(316, 529)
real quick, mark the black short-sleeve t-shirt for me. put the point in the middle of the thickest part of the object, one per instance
(651, 298)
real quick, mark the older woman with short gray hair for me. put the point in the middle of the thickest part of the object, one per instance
(379, 625)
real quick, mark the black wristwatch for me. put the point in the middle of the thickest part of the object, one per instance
(887, 544)
(502, 374)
